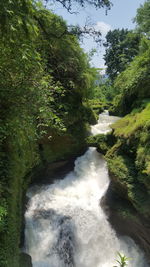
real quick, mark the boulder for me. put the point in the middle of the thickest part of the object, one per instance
(25, 260)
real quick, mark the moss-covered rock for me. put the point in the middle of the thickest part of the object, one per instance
(55, 147)
(99, 106)
(101, 141)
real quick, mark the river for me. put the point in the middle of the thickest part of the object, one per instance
(65, 224)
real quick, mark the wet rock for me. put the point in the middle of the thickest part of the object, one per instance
(45, 214)
(25, 260)
(126, 220)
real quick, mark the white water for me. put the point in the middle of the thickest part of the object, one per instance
(65, 225)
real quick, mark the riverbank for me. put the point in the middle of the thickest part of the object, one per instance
(126, 150)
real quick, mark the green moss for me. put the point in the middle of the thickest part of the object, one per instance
(124, 175)
(101, 141)
(129, 159)
(98, 106)
(131, 123)
(58, 147)
(135, 129)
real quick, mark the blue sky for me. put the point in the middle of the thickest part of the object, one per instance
(120, 16)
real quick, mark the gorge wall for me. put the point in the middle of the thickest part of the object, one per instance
(127, 152)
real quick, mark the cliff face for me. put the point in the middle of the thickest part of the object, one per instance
(126, 220)
(127, 151)
(129, 158)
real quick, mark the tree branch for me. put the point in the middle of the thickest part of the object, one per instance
(67, 4)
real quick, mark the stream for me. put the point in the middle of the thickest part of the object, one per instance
(65, 224)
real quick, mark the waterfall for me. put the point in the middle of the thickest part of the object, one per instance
(65, 225)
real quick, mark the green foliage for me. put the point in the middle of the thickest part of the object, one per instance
(22, 155)
(127, 184)
(132, 123)
(89, 114)
(133, 84)
(91, 76)
(143, 18)
(101, 141)
(100, 94)
(102, 89)
(107, 89)
(121, 47)
(128, 159)
(44, 80)
(98, 106)
(144, 45)
(3, 214)
(122, 260)
(128, 57)
(141, 131)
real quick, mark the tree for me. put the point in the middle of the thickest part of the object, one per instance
(132, 84)
(142, 18)
(121, 47)
(23, 15)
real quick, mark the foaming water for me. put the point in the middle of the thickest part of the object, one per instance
(65, 225)
(102, 127)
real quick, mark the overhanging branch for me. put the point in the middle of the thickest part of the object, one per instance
(68, 4)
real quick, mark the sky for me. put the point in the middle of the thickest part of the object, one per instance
(120, 16)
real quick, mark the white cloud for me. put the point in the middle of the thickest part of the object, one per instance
(103, 27)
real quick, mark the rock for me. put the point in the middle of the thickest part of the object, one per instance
(55, 170)
(25, 260)
(126, 220)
